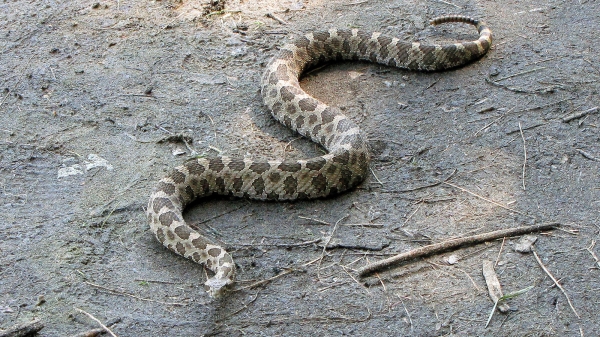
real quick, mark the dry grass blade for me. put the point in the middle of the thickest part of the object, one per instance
(555, 282)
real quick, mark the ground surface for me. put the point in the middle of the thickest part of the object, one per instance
(99, 99)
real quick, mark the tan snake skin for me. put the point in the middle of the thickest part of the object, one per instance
(346, 163)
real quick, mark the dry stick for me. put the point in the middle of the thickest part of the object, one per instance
(327, 243)
(96, 320)
(90, 333)
(117, 292)
(22, 330)
(576, 115)
(451, 4)
(555, 281)
(518, 74)
(524, 154)
(272, 16)
(589, 249)
(489, 200)
(452, 244)
(587, 155)
(288, 271)
(499, 252)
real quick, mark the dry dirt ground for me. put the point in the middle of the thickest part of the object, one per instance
(100, 99)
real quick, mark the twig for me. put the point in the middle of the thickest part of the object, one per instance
(328, 240)
(555, 281)
(451, 4)
(315, 220)
(452, 244)
(589, 249)
(22, 330)
(499, 252)
(117, 292)
(587, 155)
(90, 333)
(489, 200)
(524, 154)
(98, 331)
(288, 271)
(283, 245)
(96, 320)
(439, 182)
(272, 16)
(407, 314)
(355, 3)
(580, 114)
(519, 74)
(245, 306)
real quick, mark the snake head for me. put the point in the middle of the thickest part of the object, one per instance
(224, 275)
(217, 286)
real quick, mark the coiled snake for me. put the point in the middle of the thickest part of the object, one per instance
(343, 167)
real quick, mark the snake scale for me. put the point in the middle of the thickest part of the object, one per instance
(347, 160)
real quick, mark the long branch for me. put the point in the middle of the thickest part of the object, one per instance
(452, 244)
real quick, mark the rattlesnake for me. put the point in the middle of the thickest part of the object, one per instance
(346, 163)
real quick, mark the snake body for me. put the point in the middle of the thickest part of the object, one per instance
(343, 167)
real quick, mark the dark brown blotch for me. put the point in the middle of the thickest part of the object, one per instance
(316, 130)
(299, 121)
(316, 164)
(363, 45)
(321, 36)
(429, 56)
(290, 166)
(238, 183)
(180, 248)
(166, 219)
(287, 93)
(160, 235)
(342, 157)
(214, 252)
(277, 107)
(216, 164)
(168, 188)
(282, 72)
(302, 42)
(274, 177)
(328, 115)
(259, 185)
(199, 243)
(220, 184)
(236, 164)
(194, 167)
(196, 257)
(290, 184)
(177, 176)
(190, 193)
(291, 109)
(183, 232)
(308, 104)
(384, 41)
(319, 183)
(344, 125)
(285, 54)
(287, 121)
(259, 167)
(159, 203)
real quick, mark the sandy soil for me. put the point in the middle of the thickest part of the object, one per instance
(100, 99)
